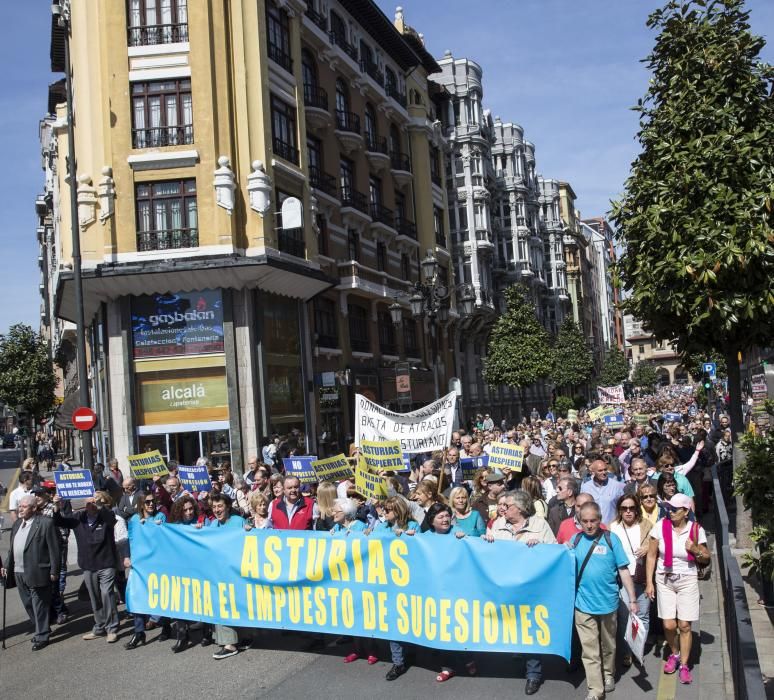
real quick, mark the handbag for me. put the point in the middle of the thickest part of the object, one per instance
(639, 570)
(703, 571)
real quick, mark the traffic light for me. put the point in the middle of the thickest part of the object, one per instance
(706, 382)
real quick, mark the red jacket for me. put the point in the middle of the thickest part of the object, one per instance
(301, 520)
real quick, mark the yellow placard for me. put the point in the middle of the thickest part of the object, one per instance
(505, 457)
(369, 483)
(382, 455)
(335, 468)
(147, 465)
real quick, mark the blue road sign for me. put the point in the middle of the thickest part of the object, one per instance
(711, 368)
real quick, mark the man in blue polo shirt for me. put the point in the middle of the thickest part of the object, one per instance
(604, 489)
(600, 559)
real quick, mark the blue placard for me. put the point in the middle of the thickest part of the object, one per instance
(673, 417)
(74, 484)
(615, 421)
(403, 589)
(301, 467)
(470, 465)
(195, 478)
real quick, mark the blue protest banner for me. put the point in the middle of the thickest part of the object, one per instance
(301, 467)
(195, 478)
(405, 589)
(673, 417)
(470, 465)
(74, 484)
(615, 421)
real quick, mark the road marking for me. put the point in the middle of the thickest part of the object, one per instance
(667, 686)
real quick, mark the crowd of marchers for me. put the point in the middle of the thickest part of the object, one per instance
(629, 500)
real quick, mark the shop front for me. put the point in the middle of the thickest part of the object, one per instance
(181, 392)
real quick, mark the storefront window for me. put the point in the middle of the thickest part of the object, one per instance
(216, 446)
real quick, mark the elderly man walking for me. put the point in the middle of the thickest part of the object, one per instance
(600, 558)
(33, 561)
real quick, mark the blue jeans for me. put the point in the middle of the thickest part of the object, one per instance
(643, 610)
(396, 652)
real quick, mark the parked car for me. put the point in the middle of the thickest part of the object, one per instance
(9, 441)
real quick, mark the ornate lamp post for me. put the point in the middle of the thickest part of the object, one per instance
(430, 299)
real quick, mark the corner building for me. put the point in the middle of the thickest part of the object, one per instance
(256, 182)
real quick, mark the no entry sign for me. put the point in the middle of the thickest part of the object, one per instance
(84, 418)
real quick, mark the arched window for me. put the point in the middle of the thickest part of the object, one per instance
(394, 140)
(342, 96)
(370, 127)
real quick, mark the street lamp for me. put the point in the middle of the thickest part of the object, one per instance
(396, 312)
(61, 10)
(430, 298)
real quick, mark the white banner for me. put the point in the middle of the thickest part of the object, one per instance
(424, 430)
(611, 394)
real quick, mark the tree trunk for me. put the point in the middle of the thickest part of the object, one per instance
(735, 392)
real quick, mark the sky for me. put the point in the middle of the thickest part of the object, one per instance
(566, 70)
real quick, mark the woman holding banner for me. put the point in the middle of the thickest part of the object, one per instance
(465, 518)
(438, 522)
(186, 512)
(147, 510)
(397, 519)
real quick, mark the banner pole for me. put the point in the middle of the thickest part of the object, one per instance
(441, 475)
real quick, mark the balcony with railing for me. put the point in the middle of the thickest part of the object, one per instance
(322, 181)
(382, 215)
(291, 241)
(285, 150)
(317, 107)
(316, 97)
(359, 342)
(327, 341)
(400, 165)
(338, 39)
(153, 34)
(353, 199)
(159, 136)
(280, 57)
(170, 239)
(405, 227)
(347, 121)
(377, 152)
(348, 131)
(318, 19)
(484, 238)
(393, 92)
(372, 70)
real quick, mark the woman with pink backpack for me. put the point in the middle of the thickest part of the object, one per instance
(677, 551)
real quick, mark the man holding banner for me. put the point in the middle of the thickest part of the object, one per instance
(292, 511)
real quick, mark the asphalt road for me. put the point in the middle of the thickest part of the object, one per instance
(278, 665)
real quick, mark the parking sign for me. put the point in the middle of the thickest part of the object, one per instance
(710, 368)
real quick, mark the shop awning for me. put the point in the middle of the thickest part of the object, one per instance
(63, 416)
(114, 280)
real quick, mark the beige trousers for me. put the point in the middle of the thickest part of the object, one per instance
(597, 638)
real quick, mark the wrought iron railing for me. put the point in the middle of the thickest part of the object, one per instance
(155, 137)
(168, 240)
(151, 34)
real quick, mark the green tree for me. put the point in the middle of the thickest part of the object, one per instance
(644, 375)
(693, 362)
(519, 351)
(571, 358)
(615, 368)
(696, 216)
(27, 377)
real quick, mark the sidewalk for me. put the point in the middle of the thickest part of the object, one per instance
(763, 628)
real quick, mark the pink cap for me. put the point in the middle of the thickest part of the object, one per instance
(680, 500)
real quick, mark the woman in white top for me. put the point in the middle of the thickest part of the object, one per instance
(676, 546)
(633, 530)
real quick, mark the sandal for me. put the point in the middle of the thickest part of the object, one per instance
(349, 658)
(471, 668)
(444, 676)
